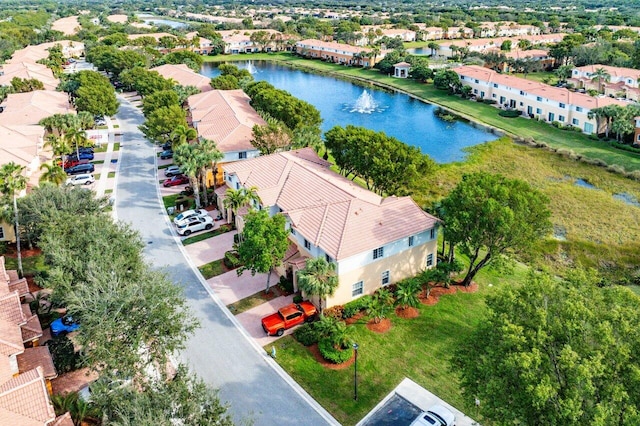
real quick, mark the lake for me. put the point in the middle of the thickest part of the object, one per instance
(150, 20)
(342, 102)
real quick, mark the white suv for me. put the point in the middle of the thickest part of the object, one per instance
(83, 179)
(437, 415)
(195, 224)
(184, 217)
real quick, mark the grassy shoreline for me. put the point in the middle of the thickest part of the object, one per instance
(479, 113)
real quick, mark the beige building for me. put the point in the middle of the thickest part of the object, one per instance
(449, 49)
(338, 53)
(534, 99)
(373, 241)
(621, 83)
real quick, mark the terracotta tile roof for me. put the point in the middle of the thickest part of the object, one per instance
(618, 72)
(67, 26)
(121, 19)
(6, 373)
(38, 356)
(402, 64)
(17, 146)
(184, 76)
(32, 330)
(21, 286)
(311, 43)
(535, 88)
(329, 210)
(10, 339)
(11, 309)
(28, 70)
(40, 51)
(3, 270)
(25, 397)
(225, 117)
(63, 420)
(31, 107)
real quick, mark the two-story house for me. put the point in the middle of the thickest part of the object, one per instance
(373, 241)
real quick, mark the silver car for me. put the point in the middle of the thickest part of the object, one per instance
(83, 179)
(186, 215)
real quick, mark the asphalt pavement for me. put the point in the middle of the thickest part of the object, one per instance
(220, 352)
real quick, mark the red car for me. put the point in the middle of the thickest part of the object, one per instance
(73, 162)
(176, 180)
(287, 317)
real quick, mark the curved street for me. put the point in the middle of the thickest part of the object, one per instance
(220, 352)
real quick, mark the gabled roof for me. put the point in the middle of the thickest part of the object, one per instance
(31, 107)
(184, 76)
(24, 400)
(332, 212)
(63, 420)
(619, 72)
(225, 117)
(32, 329)
(10, 339)
(28, 70)
(11, 309)
(323, 45)
(16, 146)
(38, 356)
(67, 26)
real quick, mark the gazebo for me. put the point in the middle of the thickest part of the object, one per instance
(401, 69)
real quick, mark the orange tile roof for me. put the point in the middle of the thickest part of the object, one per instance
(10, 339)
(184, 76)
(32, 330)
(225, 117)
(612, 71)
(329, 210)
(6, 373)
(311, 43)
(67, 26)
(21, 286)
(28, 70)
(38, 356)
(11, 309)
(3, 270)
(31, 107)
(63, 420)
(24, 400)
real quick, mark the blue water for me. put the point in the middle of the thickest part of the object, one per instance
(419, 51)
(398, 115)
(148, 19)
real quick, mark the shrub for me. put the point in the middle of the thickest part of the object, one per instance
(489, 101)
(236, 239)
(594, 137)
(286, 284)
(332, 354)
(3, 247)
(334, 311)
(625, 147)
(64, 356)
(509, 113)
(297, 298)
(307, 334)
(231, 259)
(355, 306)
(615, 168)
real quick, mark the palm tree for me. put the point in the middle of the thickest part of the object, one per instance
(52, 173)
(434, 47)
(600, 75)
(186, 156)
(77, 137)
(86, 120)
(563, 72)
(238, 198)
(318, 278)
(12, 181)
(182, 134)
(406, 294)
(209, 155)
(59, 145)
(380, 305)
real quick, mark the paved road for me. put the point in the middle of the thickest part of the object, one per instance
(256, 388)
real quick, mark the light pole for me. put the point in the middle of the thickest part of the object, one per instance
(355, 373)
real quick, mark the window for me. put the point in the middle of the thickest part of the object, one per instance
(475, 91)
(561, 118)
(411, 241)
(307, 244)
(385, 278)
(357, 289)
(328, 258)
(493, 95)
(293, 231)
(482, 94)
(538, 98)
(430, 259)
(378, 253)
(552, 116)
(1, 233)
(477, 81)
(575, 122)
(538, 111)
(588, 128)
(433, 233)
(562, 105)
(242, 155)
(237, 185)
(579, 109)
(521, 103)
(495, 85)
(522, 92)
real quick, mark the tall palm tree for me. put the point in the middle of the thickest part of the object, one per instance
(434, 47)
(238, 198)
(77, 137)
(186, 156)
(209, 155)
(183, 134)
(12, 181)
(59, 145)
(601, 76)
(52, 173)
(318, 278)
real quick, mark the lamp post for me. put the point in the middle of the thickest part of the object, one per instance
(355, 373)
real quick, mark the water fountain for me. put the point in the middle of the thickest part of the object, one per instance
(365, 104)
(252, 70)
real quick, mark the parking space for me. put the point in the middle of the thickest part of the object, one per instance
(251, 319)
(211, 249)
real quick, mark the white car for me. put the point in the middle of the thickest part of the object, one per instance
(183, 217)
(437, 415)
(195, 224)
(172, 171)
(83, 179)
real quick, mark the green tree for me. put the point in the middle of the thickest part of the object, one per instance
(261, 38)
(237, 198)
(407, 293)
(447, 80)
(506, 46)
(264, 243)
(272, 137)
(380, 305)
(557, 352)
(563, 72)
(23, 85)
(318, 278)
(52, 174)
(489, 216)
(161, 123)
(183, 134)
(12, 181)
(159, 99)
(187, 157)
(145, 82)
(97, 100)
(601, 76)
(225, 82)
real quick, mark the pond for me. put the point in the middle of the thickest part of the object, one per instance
(341, 103)
(151, 20)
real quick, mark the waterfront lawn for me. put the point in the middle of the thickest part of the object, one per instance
(419, 349)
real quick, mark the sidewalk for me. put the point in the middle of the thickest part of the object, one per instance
(106, 166)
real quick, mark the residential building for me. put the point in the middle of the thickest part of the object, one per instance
(481, 45)
(540, 56)
(68, 26)
(339, 53)
(401, 69)
(184, 76)
(239, 41)
(28, 71)
(636, 133)
(381, 31)
(621, 83)
(372, 240)
(227, 118)
(534, 99)
(204, 45)
(507, 29)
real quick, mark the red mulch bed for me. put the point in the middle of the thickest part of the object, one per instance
(24, 252)
(354, 319)
(382, 327)
(327, 364)
(408, 312)
(472, 288)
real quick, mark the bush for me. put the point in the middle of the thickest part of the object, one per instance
(231, 259)
(306, 334)
(489, 101)
(236, 239)
(625, 147)
(3, 247)
(509, 113)
(286, 284)
(330, 353)
(297, 298)
(556, 124)
(616, 168)
(334, 312)
(64, 357)
(355, 306)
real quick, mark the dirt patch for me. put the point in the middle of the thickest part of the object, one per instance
(428, 300)
(471, 288)
(408, 312)
(382, 327)
(323, 362)
(439, 291)
(354, 319)
(24, 252)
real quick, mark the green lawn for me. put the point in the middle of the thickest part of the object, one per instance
(419, 349)
(111, 175)
(169, 200)
(98, 162)
(212, 269)
(30, 265)
(223, 229)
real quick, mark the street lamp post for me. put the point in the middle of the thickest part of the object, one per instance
(355, 373)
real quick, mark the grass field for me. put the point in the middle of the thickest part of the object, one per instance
(212, 269)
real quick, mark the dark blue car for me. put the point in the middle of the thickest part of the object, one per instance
(83, 155)
(63, 325)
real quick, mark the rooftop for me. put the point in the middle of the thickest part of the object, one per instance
(184, 76)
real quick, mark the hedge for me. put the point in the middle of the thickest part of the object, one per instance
(355, 306)
(330, 353)
(306, 334)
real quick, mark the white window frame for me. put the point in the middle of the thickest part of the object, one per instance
(386, 277)
(357, 289)
(411, 240)
(378, 253)
(429, 259)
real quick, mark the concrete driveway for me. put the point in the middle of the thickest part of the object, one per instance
(250, 320)
(229, 287)
(211, 249)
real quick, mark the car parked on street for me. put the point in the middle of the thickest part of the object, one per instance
(172, 171)
(63, 325)
(83, 179)
(437, 415)
(166, 154)
(72, 162)
(188, 214)
(82, 155)
(176, 180)
(287, 317)
(195, 224)
(167, 146)
(80, 169)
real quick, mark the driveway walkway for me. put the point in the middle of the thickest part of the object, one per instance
(250, 319)
(229, 287)
(219, 351)
(211, 249)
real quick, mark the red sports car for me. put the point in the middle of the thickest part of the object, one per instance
(176, 180)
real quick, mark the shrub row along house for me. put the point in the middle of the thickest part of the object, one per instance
(25, 367)
(536, 100)
(373, 241)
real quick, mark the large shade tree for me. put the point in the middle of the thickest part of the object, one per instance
(489, 216)
(555, 352)
(318, 278)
